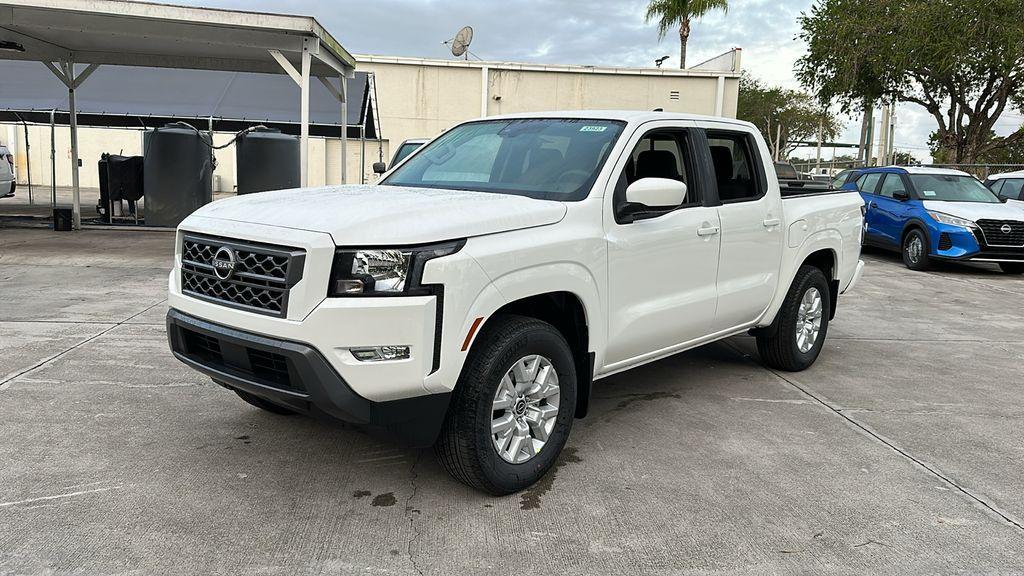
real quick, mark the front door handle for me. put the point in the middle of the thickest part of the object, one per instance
(771, 222)
(707, 231)
(872, 205)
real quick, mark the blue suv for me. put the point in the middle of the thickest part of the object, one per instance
(935, 214)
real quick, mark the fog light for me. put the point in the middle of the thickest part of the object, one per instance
(380, 353)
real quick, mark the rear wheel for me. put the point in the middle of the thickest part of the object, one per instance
(512, 407)
(263, 404)
(915, 250)
(1012, 267)
(802, 323)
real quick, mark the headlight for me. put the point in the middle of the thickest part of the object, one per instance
(952, 220)
(383, 271)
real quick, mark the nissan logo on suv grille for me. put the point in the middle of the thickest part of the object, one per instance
(1006, 229)
(224, 263)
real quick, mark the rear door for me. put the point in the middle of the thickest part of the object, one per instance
(868, 186)
(662, 268)
(752, 230)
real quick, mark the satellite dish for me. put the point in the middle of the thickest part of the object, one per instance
(461, 42)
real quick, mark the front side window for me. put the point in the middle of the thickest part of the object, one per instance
(952, 188)
(404, 151)
(892, 184)
(659, 154)
(1012, 189)
(840, 179)
(733, 158)
(545, 158)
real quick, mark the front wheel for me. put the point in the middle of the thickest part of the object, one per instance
(802, 323)
(512, 407)
(915, 250)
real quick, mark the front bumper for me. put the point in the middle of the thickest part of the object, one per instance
(964, 245)
(297, 376)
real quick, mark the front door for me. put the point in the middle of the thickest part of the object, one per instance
(752, 228)
(890, 214)
(661, 268)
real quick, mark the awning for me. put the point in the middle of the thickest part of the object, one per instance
(65, 34)
(126, 96)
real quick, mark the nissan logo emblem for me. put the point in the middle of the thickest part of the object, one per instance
(224, 263)
(1006, 229)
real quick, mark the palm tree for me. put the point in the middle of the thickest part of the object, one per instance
(668, 13)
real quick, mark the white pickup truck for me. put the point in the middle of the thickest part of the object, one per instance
(470, 298)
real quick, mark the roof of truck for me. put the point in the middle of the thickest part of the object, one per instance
(1004, 175)
(637, 116)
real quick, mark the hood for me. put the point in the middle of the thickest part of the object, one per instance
(387, 215)
(977, 210)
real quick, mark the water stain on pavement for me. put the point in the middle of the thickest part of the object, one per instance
(360, 494)
(530, 498)
(386, 499)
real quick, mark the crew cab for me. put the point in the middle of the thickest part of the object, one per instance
(471, 297)
(940, 214)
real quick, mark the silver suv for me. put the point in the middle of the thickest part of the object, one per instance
(7, 180)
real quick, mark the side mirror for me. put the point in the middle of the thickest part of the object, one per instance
(379, 167)
(656, 193)
(901, 195)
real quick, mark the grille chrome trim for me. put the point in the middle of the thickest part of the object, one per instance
(991, 229)
(261, 283)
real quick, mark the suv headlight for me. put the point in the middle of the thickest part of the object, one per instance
(384, 271)
(952, 220)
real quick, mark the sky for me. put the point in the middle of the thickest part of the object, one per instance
(594, 32)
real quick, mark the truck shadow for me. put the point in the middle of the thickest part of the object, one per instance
(939, 266)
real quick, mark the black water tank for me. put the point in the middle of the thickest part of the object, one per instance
(266, 160)
(178, 174)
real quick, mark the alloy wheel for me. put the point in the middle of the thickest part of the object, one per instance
(808, 320)
(525, 409)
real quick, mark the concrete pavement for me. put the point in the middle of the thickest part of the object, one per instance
(898, 452)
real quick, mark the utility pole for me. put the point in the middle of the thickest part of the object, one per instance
(864, 153)
(883, 137)
(778, 139)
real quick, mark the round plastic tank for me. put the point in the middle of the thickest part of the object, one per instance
(178, 174)
(266, 160)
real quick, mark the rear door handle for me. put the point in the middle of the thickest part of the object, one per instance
(771, 222)
(707, 231)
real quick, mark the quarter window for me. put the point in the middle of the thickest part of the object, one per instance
(734, 160)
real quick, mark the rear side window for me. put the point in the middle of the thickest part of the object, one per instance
(868, 182)
(840, 179)
(1012, 189)
(734, 160)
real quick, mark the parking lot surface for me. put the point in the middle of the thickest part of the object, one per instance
(899, 452)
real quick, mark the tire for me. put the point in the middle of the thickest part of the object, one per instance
(916, 258)
(1012, 267)
(782, 348)
(466, 446)
(263, 404)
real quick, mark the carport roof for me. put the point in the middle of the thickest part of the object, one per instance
(164, 36)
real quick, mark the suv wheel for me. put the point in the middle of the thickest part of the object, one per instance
(1012, 267)
(915, 250)
(802, 323)
(512, 407)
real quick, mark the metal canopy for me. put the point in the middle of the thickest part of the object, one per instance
(63, 33)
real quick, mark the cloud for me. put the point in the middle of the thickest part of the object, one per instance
(597, 32)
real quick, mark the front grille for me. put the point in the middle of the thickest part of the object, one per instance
(945, 242)
(260, 281)
(995, 236)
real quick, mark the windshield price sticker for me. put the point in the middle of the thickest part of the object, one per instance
(928, 192)
(593, 129)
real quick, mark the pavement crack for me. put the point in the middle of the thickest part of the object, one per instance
(6, 382)
(991, 507)
(411, 514)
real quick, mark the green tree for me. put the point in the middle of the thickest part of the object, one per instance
(670, 13)
(961, 60)
(785, 117)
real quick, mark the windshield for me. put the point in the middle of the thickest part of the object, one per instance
(404, 150)
(545, 158)
(951, 188)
